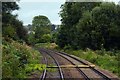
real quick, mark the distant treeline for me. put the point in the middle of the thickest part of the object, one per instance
(93, 25)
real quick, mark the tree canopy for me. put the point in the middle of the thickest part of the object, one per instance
(41, 26)
(11, 26)
(90, 25)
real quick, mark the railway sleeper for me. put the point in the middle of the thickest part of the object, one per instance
(72, 66)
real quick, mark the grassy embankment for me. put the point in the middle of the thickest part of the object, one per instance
(104, 59)
(20, 60)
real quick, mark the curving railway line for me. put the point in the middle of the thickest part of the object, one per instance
(43, 77)
(69, 67)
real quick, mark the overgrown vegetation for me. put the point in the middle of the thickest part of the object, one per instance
(16, 59)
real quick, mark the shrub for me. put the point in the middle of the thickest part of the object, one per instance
(15, 57)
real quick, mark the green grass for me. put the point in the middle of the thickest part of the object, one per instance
(104, 60)
(46, 45)
(17, 58)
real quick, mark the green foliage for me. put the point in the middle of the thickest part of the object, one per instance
(41, 21)
(54, 37)
(104, 18)
(90, 25)
(9, 6)
(12, 27)
(15, 57)
(32, 67)
(84, 28)
(31, 38)
(107, 60)
(41, 26)
(46, 38)
(71, 14)
(42, 45)
(67, 47)
(10, 31)
(46, 45)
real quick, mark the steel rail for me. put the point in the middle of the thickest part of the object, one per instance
(83, 74)
(45, 70)
(95, 70)
(60, 71)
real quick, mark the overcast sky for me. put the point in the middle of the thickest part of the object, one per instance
(50, 8)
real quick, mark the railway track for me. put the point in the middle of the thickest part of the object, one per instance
(43, 77)
(85, 72)
(92, 68)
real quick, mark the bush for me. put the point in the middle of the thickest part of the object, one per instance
(15, 56)
(67, 47)
(46, 38)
